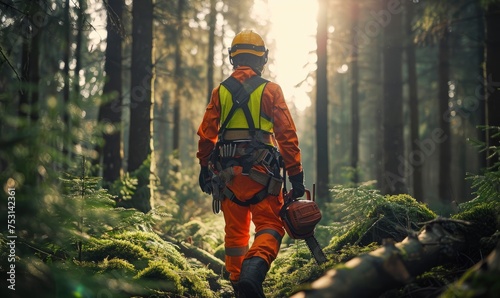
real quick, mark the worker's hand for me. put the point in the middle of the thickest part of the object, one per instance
(205, 180)
(298, 187)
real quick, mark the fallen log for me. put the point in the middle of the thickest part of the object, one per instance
(191, 251)
(392, 265)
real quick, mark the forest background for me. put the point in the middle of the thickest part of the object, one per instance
(100, 102)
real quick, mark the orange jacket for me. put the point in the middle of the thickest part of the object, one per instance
(273, 105)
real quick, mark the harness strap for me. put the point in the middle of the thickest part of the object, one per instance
(259, 197)
(241, 94)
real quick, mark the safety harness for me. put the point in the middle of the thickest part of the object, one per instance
(244, 152)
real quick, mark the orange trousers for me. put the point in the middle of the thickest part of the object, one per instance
(269, 228)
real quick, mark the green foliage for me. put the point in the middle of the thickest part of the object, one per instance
(120, 249)
(364, 216)
(203, 234)
(483, 212)
(486, 186)
(168, 279)
(192, 219)
(163, 275)
(296, 264)
(124, 187)
(358, 219)
(428, 284)
(351, 203)
(484, 221)
(134, 190)
(119, 254)
(197, 282)
(154, 245)
(183, 190)
(116, 264)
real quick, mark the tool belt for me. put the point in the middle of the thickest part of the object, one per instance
(246, 154)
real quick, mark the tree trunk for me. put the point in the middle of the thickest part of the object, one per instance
(78, 49)
(444, 187)
(322, 104)
(492, 79)
(110, 112)
(415, 163)
(480, 116)
(162, 133)
(142, 76)
(141, 84)
(66, 89)
(34, 64)
(211, 44)
(354, 93)
(378, 139)
(66, 57)
(178, 78)
(24, 91)
(393, 142)
(392, 265)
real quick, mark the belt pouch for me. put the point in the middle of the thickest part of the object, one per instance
(274, 186)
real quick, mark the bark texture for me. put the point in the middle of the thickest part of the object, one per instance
(394, 264)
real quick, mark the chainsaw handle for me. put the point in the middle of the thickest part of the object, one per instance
(307, 192)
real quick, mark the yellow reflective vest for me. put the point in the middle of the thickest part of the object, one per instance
(238, 120)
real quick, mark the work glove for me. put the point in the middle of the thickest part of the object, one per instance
(205, 180)
(298, 188)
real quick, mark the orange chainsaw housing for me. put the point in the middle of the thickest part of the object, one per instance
(300, 217)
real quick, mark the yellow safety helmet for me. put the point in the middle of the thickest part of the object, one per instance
(248, 42)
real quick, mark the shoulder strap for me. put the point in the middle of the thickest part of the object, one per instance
(241, 94)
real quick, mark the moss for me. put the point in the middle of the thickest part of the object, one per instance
(485, 218)
(121, 266)
(155, 246)
(220, 252)
(196, 283)
(480, 235)
(403, 211)
(162, 276)
(352, 235)
(115, 248)
(200, 234)
(391, 217)
(293, 270)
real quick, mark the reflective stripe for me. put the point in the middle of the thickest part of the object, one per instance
(273, 233)
(236, 251)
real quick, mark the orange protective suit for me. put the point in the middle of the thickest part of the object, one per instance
(265, 214)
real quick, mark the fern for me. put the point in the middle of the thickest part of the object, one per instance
(124, 187)
(351, 205)
(486, 186)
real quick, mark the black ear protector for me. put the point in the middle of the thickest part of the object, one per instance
(230, 58)
(264, 57)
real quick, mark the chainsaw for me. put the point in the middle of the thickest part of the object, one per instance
(300, 217)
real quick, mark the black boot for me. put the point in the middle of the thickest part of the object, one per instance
(253, 273)
(236, 289)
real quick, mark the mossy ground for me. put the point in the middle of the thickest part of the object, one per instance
(393, 217)
(135, 263)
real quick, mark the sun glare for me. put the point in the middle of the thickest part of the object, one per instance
(293, 27)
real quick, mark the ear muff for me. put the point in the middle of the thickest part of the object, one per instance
(265, 57)
(229, 54)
